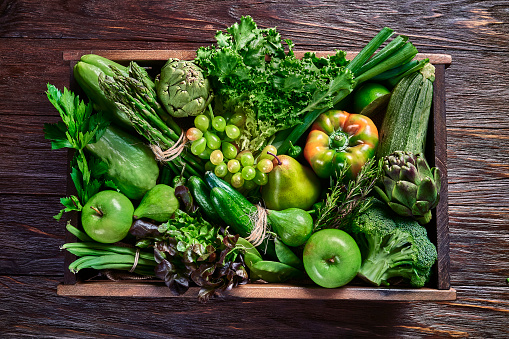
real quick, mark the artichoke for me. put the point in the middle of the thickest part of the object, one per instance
(409, 186)
(182, 88)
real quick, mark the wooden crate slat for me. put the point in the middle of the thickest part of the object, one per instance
(148, 55)
(254, 290)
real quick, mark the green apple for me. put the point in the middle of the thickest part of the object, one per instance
(331, 258)
(107, 216)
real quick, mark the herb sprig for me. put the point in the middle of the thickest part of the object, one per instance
(78, 128)
(346, 201)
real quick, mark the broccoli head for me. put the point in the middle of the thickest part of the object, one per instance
(392, 247)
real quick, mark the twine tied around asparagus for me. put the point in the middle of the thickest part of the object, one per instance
(260, 226)
(171, 153)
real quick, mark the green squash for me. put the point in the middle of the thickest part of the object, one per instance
(131, 163)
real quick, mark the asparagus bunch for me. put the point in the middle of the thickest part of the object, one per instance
(135, 95)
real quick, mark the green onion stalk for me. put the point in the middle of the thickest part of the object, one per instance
(135, 95)
(363, 67)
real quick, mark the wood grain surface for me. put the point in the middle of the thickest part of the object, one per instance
(33, 38)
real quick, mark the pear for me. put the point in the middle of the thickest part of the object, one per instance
(293, 225)
(291, 185)
(158, 204)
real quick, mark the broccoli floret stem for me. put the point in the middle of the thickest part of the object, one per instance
(384, 258)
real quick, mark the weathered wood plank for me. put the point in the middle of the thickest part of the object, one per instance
(35, 309)
(445, 24)
(28, 164)
(479, 154)
(478, 247)
(490, 193)
(31, 237)
(256, 291)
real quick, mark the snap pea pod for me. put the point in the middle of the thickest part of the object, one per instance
(286, 255)
(269, 271)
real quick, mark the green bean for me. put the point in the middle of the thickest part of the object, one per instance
(77, 233)
(112, 249)
(111, 259)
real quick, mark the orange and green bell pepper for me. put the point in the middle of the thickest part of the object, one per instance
(339, 140)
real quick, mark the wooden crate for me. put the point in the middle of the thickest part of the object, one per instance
(438, 229)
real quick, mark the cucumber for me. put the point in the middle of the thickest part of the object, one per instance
(238, 218)
(201, 194)
(235, 216)
(213, 181)
(405, 124)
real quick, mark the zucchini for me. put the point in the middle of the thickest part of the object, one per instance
(405, 124)
(201, 194)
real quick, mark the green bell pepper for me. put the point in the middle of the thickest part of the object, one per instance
(131, 164)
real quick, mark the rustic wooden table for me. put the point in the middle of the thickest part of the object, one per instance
(33, 37)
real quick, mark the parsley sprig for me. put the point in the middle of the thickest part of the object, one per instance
(78, 128)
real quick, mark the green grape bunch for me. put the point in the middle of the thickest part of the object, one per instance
(215, 139)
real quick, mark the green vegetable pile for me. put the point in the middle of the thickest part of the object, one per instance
(245, 164)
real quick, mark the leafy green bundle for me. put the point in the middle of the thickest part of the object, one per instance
(250, 71)
(188, 248)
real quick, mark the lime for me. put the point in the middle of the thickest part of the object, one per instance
(366, 94)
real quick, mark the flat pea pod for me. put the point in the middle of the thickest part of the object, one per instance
(248, 247)
(286, 255)
(273, 271)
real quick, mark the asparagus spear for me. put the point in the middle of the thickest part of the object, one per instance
(136, 96)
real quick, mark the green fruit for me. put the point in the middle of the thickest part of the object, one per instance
(107, 216)
(331, 258)
(290, 185)
(158, 204)
(293, 225)
(367, 94)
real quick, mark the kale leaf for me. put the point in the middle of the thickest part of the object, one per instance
(251, 72)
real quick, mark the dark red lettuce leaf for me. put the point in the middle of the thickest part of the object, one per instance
(144, 229)
(216, 278)
(184, 196)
